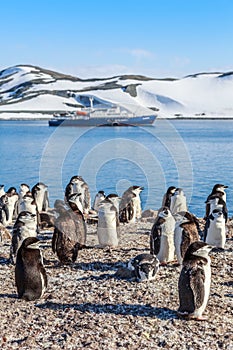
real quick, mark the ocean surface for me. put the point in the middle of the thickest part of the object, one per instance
(191, 154)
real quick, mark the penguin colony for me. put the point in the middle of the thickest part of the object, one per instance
(175, 235)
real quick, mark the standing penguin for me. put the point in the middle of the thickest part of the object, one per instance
(100, 196)
(215, 229)
(216, 202)
(219, 189)
(78, 185)
(162, 236)
(186, 232)
(4, 212)
(144, 266)
(194, 281)
(41, 197)
(13, 198)
(30, 274)
(23, 190)
(70, 230)
(166, 202)
(25, 226)
(108, 224)
(130, 205)
(2, 191)
(178, 201)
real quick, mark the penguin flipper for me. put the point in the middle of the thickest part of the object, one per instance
(54, 240)
(207, 225)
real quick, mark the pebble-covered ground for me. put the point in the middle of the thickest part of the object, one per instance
(88, 306)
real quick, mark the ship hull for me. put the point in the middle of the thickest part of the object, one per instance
(134, 121)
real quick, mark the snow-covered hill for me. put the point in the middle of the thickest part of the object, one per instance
(29, 89)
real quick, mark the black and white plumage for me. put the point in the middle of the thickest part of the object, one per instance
(186, 232)
(216, 202)
(30, 274)
(41, 196)
(115, 199)
(70, 231)
(166, 202)
(144, 266)
(194, 281)
(13, 198)
(24, 227)
(130, 205)
(100, 196)
(108, 224)
(178, 201)
(27, 203)
(162, 236)
(2, 190)
(4, 211)
(78, 185)
(215, 229)
(218, 190)
(23, 190)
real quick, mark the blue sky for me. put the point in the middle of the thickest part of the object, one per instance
(158, 38)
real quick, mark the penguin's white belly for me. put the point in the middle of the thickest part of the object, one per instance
(167, 248)
(178, 204)
(177, 241)
(216, 234)
(24, 206)
(27, 232)
(11, 207)
(137, 207)
(207, 271)
(106, 230)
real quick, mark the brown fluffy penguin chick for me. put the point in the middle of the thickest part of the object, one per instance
(30, 274)
(70, 231)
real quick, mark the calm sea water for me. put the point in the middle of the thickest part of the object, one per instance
(192, 154)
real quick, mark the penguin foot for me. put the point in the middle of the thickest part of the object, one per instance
(200, 318)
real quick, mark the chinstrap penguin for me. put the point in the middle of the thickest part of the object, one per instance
(30, 274)
(13, 198)
(78, 185)
(178, 201)
(145, 267)
(108, 224)
(216, 202)
(130, 205)
(162, 236)
(215, 229)
(25, 226)
(4, 211)
(41, 196)
(100, 196)
(218, 190)
(194, 281)
(166, 202)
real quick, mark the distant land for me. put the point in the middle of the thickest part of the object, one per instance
(30, 92)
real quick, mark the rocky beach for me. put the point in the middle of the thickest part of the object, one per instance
(91, 304)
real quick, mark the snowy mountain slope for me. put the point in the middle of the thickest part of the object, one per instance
(27, 89)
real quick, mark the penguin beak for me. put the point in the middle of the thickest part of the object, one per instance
(34, 245)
